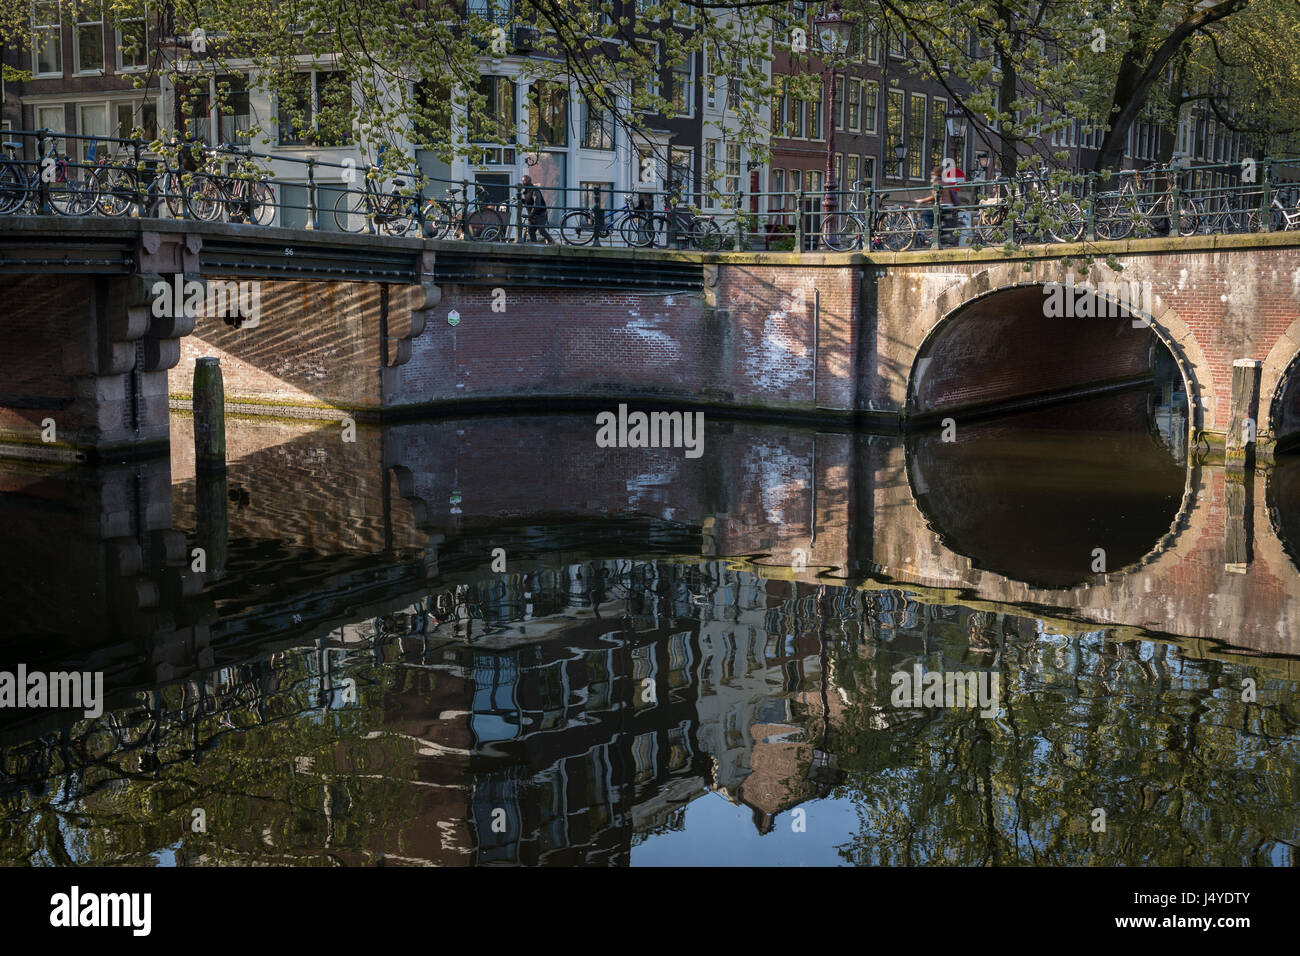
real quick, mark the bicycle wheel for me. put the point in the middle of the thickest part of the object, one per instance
(75, 195)
(486, 224)
(170, 188)
(842, 232)
(263, 203)
(203, 198)
(13, 188)
(1112, 217)
(117, 192)
(898, 231)
(706, 234)
(1071, 222)
(639, 231)
(398, 219)
(350, 212)
(578, 228)
(1191, 218)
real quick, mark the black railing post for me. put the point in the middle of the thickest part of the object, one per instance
(598, 219)
(464, 208)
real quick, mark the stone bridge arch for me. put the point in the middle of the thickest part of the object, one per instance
(1279, 390)
(1007, 284)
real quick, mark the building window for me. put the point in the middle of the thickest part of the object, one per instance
(816, 114)
(873, 45)
(52, 118)
(88, 40)
(851, 170)
(683, 87)
(132, 44)
(711, 170)
(733, 169)
(710, 83)
(233, 115)
(779, 198)
(495, 122)
(854, 105)
(548, 115)
(130, 115)
(681, 163)
(797, 116)
(893, 126)
(870, 106)
(840, 104)
(92, 120)
(916, 137)
(316, 99)
(897, 46)
(597, 127)
(838, 168)
(938, 132)
(47, 38)
(647, 85)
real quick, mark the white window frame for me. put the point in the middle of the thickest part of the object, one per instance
(57, 28)
(76, 42)
(117, 36)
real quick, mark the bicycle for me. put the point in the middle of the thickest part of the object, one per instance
(578, 228)
(470, 219)
(237, 195)
(1120, 213)
(70, 193)
(700, 232)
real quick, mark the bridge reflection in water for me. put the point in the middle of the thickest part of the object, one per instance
(650, 680)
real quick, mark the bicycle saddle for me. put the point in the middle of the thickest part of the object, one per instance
(12, 145)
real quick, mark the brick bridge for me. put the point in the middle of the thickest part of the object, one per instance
(382, 329)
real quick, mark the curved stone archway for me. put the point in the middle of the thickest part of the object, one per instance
(1279, 390)
(992, 291)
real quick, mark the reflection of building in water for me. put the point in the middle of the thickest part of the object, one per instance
(600, 730)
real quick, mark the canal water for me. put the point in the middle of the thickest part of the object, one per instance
(487, 641)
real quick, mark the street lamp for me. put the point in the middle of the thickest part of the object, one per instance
(834, 32)
(955, 130)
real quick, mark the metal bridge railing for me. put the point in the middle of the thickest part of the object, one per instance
(43, 172)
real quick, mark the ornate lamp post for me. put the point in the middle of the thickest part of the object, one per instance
(956, 130)
(834, 33)
(900, 154)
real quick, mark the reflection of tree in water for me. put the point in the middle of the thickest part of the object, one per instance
(1187, 773)
(288, 769)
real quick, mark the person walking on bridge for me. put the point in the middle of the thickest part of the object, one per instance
(535, 211)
